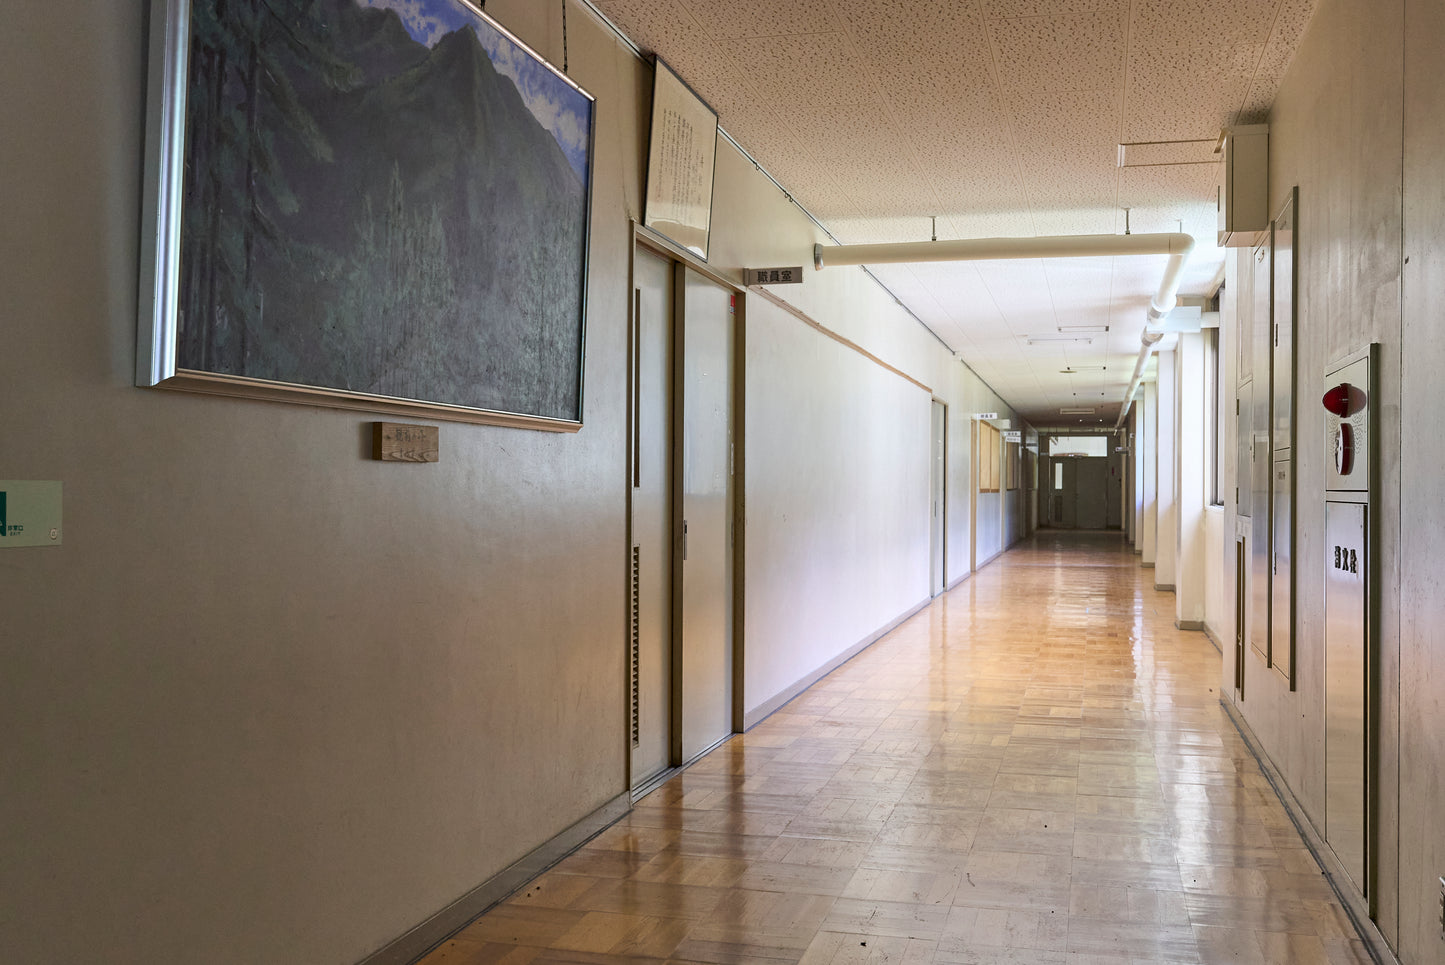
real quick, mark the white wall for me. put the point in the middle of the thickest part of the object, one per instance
(1190, 482)
(792, 369)
(838, 500)
(1148, 404)
(1166, 542)
(1218, 591)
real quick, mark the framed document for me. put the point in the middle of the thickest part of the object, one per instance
(680, 163)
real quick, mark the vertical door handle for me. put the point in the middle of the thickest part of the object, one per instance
(636, 388)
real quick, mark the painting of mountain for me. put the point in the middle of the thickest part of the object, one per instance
(385, 197)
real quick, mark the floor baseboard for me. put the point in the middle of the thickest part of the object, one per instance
(451, 919)
(764, 710)
(1334, 872)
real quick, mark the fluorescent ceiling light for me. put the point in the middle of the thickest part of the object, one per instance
(1077, 411)
(1045, 339)
(1076, 329)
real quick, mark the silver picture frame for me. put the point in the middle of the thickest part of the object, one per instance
(386, 267)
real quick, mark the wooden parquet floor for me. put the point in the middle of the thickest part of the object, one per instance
(1035, 769)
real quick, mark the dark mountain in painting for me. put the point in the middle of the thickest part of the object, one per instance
(369, 214)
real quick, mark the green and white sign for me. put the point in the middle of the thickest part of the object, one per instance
(29, 513)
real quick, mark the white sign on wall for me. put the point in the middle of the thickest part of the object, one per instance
(29, 513)
(680, 163)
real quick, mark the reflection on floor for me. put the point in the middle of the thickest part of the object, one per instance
(1035, 769)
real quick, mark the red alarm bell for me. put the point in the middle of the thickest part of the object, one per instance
(1344, 400)
(1345, 449)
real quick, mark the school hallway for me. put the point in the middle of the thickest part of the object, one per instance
(1036, 768)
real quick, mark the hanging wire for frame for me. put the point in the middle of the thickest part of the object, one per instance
(564, 36)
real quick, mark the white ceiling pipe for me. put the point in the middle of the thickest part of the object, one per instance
(1176, 245)
(1150, 339)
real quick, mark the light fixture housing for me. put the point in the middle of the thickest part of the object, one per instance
(1059, 339)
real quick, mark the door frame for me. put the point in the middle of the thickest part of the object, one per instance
(682, 261)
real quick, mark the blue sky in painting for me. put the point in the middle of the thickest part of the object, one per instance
(556, 105)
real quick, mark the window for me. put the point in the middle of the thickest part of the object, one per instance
(988, 468)
(1079, 445)
(1011, 464)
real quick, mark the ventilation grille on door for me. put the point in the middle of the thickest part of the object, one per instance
(636, 647)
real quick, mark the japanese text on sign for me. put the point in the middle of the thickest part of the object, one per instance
(776, 276)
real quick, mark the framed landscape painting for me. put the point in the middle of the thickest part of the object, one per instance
(371, 204)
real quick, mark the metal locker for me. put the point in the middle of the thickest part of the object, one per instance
(1350, 658)
(1346, 670)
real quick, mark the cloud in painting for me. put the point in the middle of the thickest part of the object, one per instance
(557, 106)
(427, 21)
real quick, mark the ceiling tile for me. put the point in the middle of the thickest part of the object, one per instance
(1186, 91)
(986, 225)
(1289, 29)
(1101, 220)
(740, 19)
(1169, 185)
(1010, 9)
(1067, 122)
(1226, 22)
(1057, 52)
(1020, 289)
(923, 54)
(808, 183)
(663, 26)
(880, 185)
(803, 71)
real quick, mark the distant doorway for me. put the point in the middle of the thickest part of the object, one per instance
(1081, 493)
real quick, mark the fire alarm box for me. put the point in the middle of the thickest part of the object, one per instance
(1243, 197)
(1348, 405)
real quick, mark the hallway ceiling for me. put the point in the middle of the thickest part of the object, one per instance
(1002, 118)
